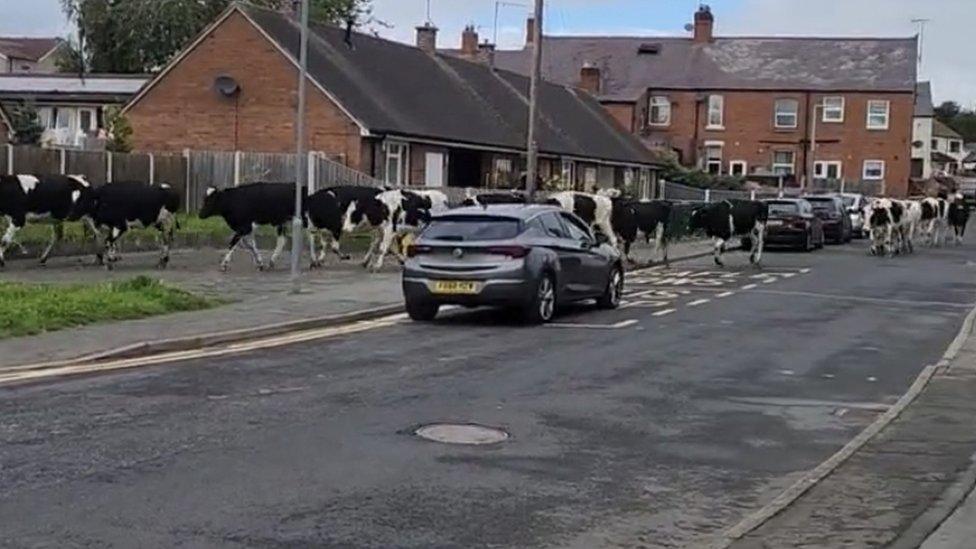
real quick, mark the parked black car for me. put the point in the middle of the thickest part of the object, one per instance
(792, 223)
(837, 225)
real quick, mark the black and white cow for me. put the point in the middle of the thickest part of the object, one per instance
(595, 209)
(31, 197)
(247, 206)
(958, 217)
(935, 220)
(728, 218)
(329, 212)
(489, 198)
(392, 214)
(120, 206)
(885, 218)
(647, 217)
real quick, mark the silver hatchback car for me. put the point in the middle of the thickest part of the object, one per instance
(532, 257)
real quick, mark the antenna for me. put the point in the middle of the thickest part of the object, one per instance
(428, 11)
(920, 23)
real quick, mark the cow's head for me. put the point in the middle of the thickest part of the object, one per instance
(211, 203)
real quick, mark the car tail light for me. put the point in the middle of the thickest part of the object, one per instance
(514, 252)
(414, 250)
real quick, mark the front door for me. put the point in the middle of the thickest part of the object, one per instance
(434, 169)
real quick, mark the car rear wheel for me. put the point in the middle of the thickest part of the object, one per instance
(615, 288)
(542, 305)
(422, 311)
(808, 244)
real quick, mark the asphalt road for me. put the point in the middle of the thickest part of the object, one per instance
(660, 432)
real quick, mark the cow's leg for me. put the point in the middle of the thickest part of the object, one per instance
(252, 246)
(663, 241)
(166, 224)
(57, 233)
(373, 247)
(111, 250)
(758, 242)
(385, 242)
(234, 242)
(888, 244)
(313, 234)
(13, 225)
(659, 243)
(279, 247)
(719, 249)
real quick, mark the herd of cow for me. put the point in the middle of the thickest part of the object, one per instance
(330, 213)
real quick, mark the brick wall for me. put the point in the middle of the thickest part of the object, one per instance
(184, 111)
(749, 133)
(623, 113)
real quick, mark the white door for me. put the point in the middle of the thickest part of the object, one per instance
(434, 170)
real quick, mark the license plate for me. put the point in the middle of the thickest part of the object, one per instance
(775, 223)
(455, 287)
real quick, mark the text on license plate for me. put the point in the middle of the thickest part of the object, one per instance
(455, 287)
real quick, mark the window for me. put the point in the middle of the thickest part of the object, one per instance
(738, 168)
(568, 173)
(660, 111)
(46, 117)
(86, 120)
(396, 163)
(552, 226)
(503, 171)
(576, 231)
(62, 118)
(955, 146)
(589, 177)
(827, 169)
(874, 170)
(787, 113)
(935, 143)
(833, 109)
(469, 228)
(713, 159)
(783, 162)
(878, 114)
(716, 107)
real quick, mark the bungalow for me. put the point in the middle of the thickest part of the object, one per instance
(30, 55)
(406, 115)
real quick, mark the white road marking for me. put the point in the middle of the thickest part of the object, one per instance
(699, 302)
(872, 379)
(804, 271)
(749, 286)
(787, 372)
(665, 312)
(829, 376)
(725, 294)
(617, 326)
(787, 275)
(769, 281)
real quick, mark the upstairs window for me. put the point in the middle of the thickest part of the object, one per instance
(660, 111)
(955, 146)
(787, 113)
(878, 114)
(716, 115)
(833, 109)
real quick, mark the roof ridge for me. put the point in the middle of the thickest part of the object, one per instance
(725, 37)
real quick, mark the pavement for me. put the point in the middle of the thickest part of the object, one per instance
(662, 424)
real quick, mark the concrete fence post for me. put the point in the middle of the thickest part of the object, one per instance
(781, 185)
(662, 189)
(64, 161)
(152, 169)
(843, 185)
(752, 195)
(708, 195)
(237, 168)
(313, 166)
(108, 166)
(189, 183)
(10, 159)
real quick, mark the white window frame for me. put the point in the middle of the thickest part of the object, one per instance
(399, 152)
(887, 114)
(837, 110)
(568, 170)
(716, 106)
(864, 173)
(791, 166)
(822, 167)
(795, 113)
(94, 118)
(708, 161)
(741, 163)
(663, 104)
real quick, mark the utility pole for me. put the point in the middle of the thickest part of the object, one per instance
(301, 174)
(532, 165)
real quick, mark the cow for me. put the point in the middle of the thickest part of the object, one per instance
(392, 214)
(120, 206)
(935, 212)
(909, 224)
(648, 217)
(596, 210)
(958, 217)
(247, 206)
(884, 218)
(728, 218)
(487, 199)
(328, 213)
(31, 197)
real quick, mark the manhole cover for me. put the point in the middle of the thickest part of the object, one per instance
(453, 433)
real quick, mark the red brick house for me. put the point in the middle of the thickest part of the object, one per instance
(404, 114)
(744, 105)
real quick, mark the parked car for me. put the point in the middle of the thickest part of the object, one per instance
(531, 257)
(854, 204)
(836, 219)
(793, 223)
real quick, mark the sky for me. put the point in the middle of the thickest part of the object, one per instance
(947, 58)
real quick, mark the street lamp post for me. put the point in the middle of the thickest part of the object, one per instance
(532, 147)
(301, 173)
(813, 142)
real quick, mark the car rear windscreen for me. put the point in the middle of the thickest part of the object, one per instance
(783, 208)
(467, 229)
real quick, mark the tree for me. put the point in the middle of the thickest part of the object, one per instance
(119, 131)
(140, 36)
(26, 125)
(947, 111)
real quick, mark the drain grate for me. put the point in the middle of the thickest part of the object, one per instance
(461, 433)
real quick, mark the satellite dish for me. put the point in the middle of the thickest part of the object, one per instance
(227, 86)
(689, 27)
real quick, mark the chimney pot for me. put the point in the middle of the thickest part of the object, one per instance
(469, 41)
(486, 54)
(427, 38)
(704, 25)
(590, 78)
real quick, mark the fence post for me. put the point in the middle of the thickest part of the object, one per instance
(237, 168)
(10, 159)
(108, 166)
(663, 189)
(64, 161)
(313, 166)
(152, 169)
(843, 185)
(781, 185)
(186, 162)
(752, 195)
(708, 195)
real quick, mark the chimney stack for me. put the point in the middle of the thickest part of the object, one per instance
(529, 31)
(486, 54)
(469, 42)
(427, 38)
(704, 25)
(590, 78)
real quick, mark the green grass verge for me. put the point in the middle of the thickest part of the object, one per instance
(27, 309)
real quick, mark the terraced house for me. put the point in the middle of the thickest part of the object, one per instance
(403, 114)
(748, 105)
